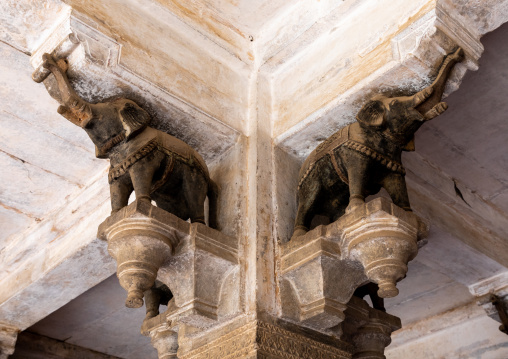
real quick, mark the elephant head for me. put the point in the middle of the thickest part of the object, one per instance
(397, 119)
(108, 123)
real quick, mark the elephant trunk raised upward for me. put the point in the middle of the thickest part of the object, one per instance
(153, 164)
(365, 156)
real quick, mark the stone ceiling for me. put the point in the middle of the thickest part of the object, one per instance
(213, 72)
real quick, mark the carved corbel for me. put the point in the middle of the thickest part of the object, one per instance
(204, 277)
(383, 238)
(315, 283)
(197, 263)
(141, 239)
(321, 270)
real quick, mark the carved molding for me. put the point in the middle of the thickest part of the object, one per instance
(266, 340)
(238, 343)
(492, 285)
(277, 342)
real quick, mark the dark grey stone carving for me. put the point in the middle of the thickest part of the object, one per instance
(153, 164)
(365, 156)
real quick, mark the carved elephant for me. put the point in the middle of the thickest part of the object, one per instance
(153, 164)
(365, 156)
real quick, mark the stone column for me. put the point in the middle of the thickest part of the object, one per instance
(8, 335)
(368, 329)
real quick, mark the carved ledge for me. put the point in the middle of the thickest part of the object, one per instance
(270, 338)
(273, 338)
(492, 295)
(321, 269)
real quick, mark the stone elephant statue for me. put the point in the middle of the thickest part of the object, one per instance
(365, 156)
(153, 164)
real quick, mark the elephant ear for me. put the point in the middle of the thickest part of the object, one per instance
(372, 113)
(133, 118)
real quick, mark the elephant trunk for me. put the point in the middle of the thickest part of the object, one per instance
(439, 83)
(74, 108)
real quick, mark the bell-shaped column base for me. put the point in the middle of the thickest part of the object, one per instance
(383, 238)
(140, 238)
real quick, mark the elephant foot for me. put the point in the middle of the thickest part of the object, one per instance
(144, 199)
(299, 231)
(151, 314)
(354, 203)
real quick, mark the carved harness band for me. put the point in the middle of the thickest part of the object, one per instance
(341, 138)
(119, 170)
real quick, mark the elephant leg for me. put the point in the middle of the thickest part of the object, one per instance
(195, 187)
(358, 177)
(120, 191)
(307, 198)
(395, 185)
(142, 173)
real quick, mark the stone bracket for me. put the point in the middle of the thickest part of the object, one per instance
(200, 265)
(321, 270)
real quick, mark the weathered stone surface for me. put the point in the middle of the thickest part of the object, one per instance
(454, 333)
(53, 263)
(33, 346)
